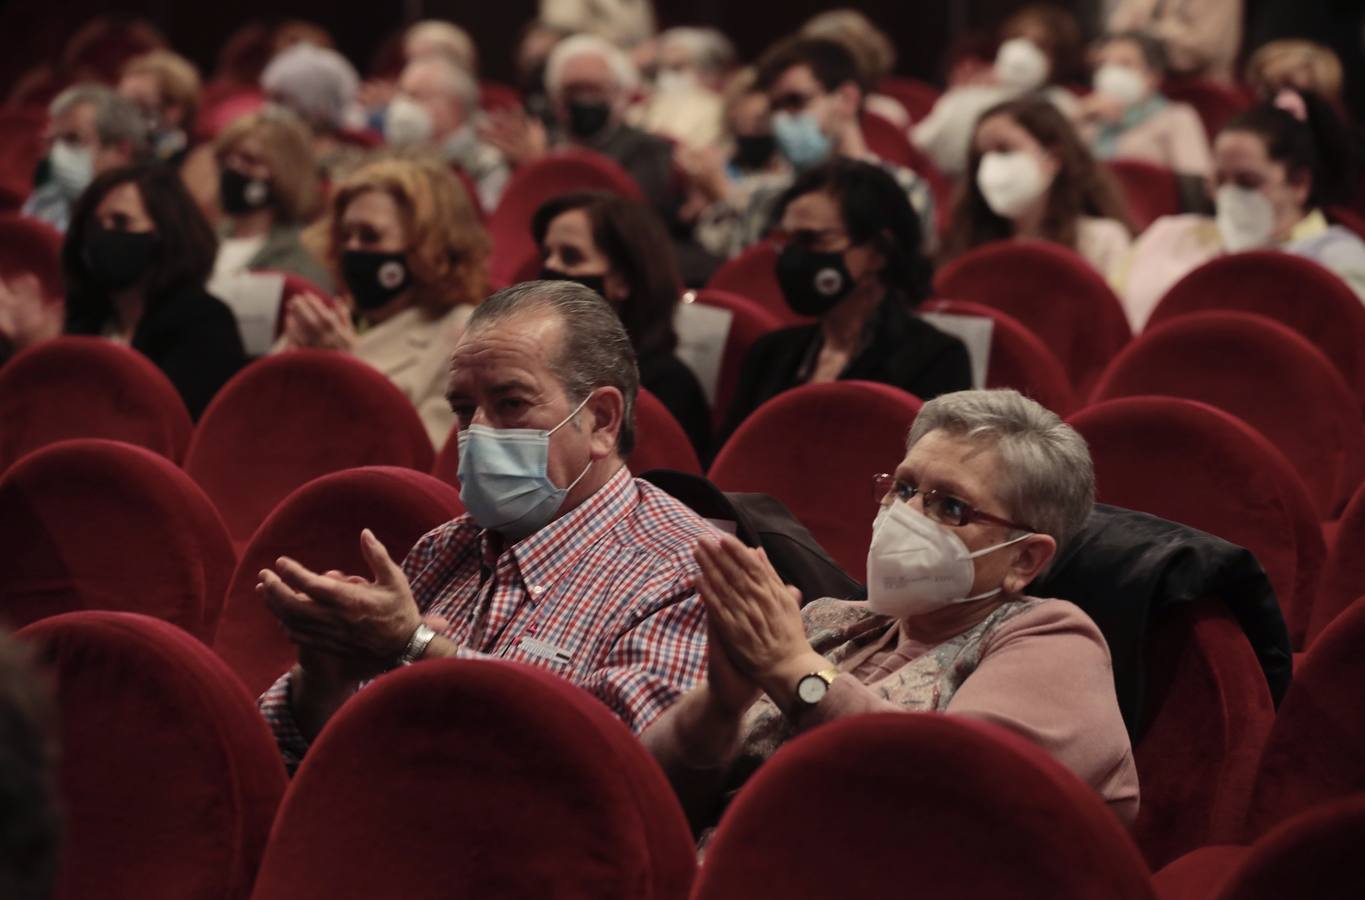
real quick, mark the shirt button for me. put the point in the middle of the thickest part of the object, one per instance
(535, 590)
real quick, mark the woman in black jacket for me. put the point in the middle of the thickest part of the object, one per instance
(851, 259)
(135, 260)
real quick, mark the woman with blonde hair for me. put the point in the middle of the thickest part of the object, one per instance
(405, 243)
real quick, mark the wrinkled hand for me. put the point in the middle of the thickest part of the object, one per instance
(311, 322)
(520, 138)
(730, 690)
(345, 627)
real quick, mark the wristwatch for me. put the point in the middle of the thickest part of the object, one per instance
(417, 645)
(811, 689)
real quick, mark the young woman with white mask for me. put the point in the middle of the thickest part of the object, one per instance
(1030, 178)
(1126, 116)
(1277, 166)
(991, 486)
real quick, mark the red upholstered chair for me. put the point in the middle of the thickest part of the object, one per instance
(87, 387)
(169, 777)
(918, 97)
(660, 442)
(888, 142)
(1152, 191)
(1208, 712)
(917, 804)
(319, 525)
(92, 524)
(748, 323)
(1289, 289)
(1316, 751)
(495, 95)
(1343, 577)
(23, 144)
(227, 108)
(753, 275)
(1053, 292)
(288, 418)
(533, 184)
(293, 286)
(1265, 374)
(1197, 465)
(477, 779)
(816, 448)
(1018, 359)
(1347, 218)
(1216, 103)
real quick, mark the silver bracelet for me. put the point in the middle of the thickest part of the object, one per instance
(417, 645)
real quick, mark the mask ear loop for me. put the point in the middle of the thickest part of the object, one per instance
(573, 484)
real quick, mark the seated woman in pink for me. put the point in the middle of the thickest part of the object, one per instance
(991, 485)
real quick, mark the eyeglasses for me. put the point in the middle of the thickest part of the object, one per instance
(944, 509)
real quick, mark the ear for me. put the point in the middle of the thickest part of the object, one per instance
(604, 414)
(1300, 185)
(1030, 558)
(849, 98)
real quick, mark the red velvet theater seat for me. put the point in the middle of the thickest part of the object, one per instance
(95, 524)
(319, 525)
(1265, 374)
(169, 776)
(1152, 191)
(477, 779)
(1289, 289)
(87, 387)
(530, 186)
(288, 418)
(748, 323)
(660, 442)
(917, 805)
(753, 275)
(1018, 359)
(1343, 577)
(1051, 290)
(1202, 467)
(816, 448)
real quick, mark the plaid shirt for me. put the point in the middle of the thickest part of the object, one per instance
(604, 596)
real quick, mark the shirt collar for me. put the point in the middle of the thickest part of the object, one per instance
(548, 553)
(1312, 225)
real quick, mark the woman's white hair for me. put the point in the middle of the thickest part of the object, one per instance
(1047, 480)
(317, 83)
(624, 73)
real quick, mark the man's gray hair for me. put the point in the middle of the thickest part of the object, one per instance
(624, 73)
(459, 84)
(317, 83)
(711, 51)
(117, 119)
(1048, 480)
(596, 351)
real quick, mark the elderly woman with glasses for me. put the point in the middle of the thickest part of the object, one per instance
(990, 487)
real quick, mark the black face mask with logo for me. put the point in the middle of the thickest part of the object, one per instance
(373, 279)
(812, 283)
(116, 260)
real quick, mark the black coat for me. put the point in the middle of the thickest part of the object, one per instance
(188, 333)
(668, 378)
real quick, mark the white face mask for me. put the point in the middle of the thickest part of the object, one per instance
(1246, 218)
(73, 166)
(916, 566)
(1121, 83)
(407, 122)
(675, 81)
(1021, 64)
(1011, 182)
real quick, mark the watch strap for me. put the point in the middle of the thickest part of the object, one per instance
(416, 645)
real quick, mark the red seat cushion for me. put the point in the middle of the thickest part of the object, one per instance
(1152, 191)
(87, 387)
(1291, 393)
(1316, 854)
(1053, 292)
(660, 442)
(748, 323)
(93, 524)
(1343, 577)
(477, 779)
(169, 776)
(319, 525)
(753, 275)
(1216, 103)
(844, 432)
(288, 418)
(917, 804)
(918, 97)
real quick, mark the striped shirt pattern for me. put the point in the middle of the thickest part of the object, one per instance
(604, 596)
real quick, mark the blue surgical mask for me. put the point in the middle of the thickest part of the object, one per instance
(504, 478)
(800, 139)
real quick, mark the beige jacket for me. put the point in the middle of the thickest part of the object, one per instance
(1201, 36)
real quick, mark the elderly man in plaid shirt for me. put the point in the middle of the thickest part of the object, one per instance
(564, 560)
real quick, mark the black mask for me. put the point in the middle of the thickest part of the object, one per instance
(238, 194)
(117, 259)
(812, 283)
(374, 278)
(591, 282)
(587, 119)
(753, 151)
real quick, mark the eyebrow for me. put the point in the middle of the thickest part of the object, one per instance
(946, 485)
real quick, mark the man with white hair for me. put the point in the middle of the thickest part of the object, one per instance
(686, 104)
(437, 106)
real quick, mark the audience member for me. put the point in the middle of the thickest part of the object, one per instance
(1202, 37)
(563, 560)
(91, 129)
(30, 818)
(626, 23)
(991, 487)
(406, 245)
(32, 307)
(1273, 176)
(621, 250)
(437, 37)
(686, 104)
(873, 50)
(166, 87)
(1127, 117)
(135, 262)
(1040, 48)
(319, 85)
(851, 259)
(1030, 177)
(1297, 65)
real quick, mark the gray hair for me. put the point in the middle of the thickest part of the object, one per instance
(710, 50)
(459, 84)
(117, 119)
(317, 83)
(624, 73)
(596, 351)
(1048, 480)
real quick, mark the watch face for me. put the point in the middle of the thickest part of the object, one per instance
(811, 689)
